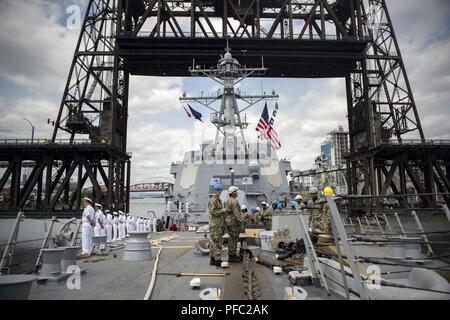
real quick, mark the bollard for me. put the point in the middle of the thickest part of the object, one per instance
(138, 247)
(51, 264)
(69, 257)
(99, 243)
(210, 294)
(201, 247)
(15, 287)
(295, 293)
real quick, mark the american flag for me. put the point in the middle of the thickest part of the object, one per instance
(266, 131)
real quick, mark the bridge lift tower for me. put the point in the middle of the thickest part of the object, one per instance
(349, 39)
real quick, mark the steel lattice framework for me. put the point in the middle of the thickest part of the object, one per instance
(350, 39)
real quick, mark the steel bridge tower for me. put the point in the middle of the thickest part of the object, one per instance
(349, 39)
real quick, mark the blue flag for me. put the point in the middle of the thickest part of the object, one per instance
(197, 115)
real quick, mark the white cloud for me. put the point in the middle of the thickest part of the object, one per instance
(12, 124)
(35, 49)
(152, 95)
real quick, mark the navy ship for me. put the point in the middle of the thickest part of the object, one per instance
(252, 167)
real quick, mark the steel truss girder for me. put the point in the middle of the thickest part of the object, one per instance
(95, 98)
(267, 19)
(60, 176)
(381, 107)
(422, 169)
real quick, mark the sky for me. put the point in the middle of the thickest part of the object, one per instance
(36, 50)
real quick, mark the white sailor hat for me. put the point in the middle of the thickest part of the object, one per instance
(258, 209)
(120, 212)
(98, 205)
(243, 207)
(264, 203)
(115, 213)
(87, 199)
(298, 197)
(232, 189)
(106, 211)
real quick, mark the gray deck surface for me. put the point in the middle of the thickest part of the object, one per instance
(114, 279)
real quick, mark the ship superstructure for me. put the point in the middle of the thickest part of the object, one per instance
(253, 167)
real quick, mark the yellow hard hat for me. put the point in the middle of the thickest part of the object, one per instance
(328, 191)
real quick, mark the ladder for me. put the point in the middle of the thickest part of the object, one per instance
(342, 234)
(316, 268)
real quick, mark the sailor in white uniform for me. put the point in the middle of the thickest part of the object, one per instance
(115, 226)
(169, 205)
(99, 220)
(154, 221)
(143, 224)
(138, 224)
(129, 224)
(134, 223)
(120, 220)
(149, 224)
(88, 220)
(103, 230)
(108, 226)
(123, 225)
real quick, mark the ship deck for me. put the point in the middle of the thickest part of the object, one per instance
(111, 278)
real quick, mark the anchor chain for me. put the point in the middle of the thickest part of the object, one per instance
(251, 286)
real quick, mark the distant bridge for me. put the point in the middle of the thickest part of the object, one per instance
(153, 184)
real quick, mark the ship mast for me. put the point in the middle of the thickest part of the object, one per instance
(230, 124)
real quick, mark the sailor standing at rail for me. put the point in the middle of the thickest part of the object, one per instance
(144, 224)
(125, 225)
(129, 223)
(121, 225)
(99, 220)
(115, 226)
(103, 230)
(120, 219)
(108, 226)
(138, 226)
(138, 223)
(133, 223)
(180, 208)
(154, 222)
(149, 224)
(88, 220)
